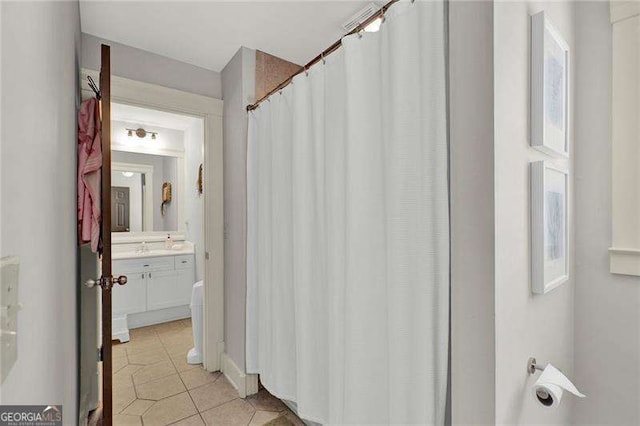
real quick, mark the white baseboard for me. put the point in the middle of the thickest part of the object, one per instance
(120, 325)
(119, 329)
(245, 384)
(143, 319)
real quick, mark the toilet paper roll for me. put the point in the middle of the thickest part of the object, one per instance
(550, 387)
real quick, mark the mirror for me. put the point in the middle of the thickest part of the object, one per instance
(140, 201)
(155, 157)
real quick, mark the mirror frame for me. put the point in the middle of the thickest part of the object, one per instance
(147, 237)
(180, 186)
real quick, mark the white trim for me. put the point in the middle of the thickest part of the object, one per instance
(620, 10)
(245, 384)
(120, 329)
(147, 171)
(619, 250)
(181, 193)
(158, 316)
(625, 261)
(147, 237)
(137, 149)
(624, 257)
(147, 95)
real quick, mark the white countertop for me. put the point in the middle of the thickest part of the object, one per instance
(178, 249)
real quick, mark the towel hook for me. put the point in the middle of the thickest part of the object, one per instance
(93, 86)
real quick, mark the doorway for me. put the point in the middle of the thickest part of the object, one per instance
(174, 240)
(158, 243)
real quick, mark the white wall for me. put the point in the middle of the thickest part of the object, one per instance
(472, 218)
(170, 174)
(238, 84)
(166, 139)
(526, 325)
(607, 313)
(40, 42)
(142, 65)
(194, 208)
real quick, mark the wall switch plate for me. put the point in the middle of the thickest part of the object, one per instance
(9, 307)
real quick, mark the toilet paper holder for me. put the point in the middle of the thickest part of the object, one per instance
(532, 366)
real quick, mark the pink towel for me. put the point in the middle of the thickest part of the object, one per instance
(89, 173)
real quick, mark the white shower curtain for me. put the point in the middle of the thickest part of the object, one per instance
(348, 232)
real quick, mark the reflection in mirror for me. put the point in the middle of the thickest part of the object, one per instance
(127, 201)
(137, 200)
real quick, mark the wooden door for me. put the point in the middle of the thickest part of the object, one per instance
(104, 414)
(106, 280)
(119, 209)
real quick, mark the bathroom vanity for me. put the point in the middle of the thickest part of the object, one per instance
(158, 288)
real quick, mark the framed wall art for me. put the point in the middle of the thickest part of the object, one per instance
(549, 226)
(549, 88)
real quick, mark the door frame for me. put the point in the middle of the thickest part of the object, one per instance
(146, 95)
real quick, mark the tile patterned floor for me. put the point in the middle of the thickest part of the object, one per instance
(154, 386)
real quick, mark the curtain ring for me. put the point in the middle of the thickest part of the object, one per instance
(383, 18)
(324, 61)
(360, 34)
(306, 71)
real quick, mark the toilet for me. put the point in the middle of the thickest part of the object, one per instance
(195, 354)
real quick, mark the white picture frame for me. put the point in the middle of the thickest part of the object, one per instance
(549, 88)
(549, 226)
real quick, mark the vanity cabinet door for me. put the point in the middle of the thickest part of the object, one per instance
(186, 279)
(164, 290)
(130, 298)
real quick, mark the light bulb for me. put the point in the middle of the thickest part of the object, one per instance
(373, 26)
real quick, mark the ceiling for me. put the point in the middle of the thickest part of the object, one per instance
(208, 33)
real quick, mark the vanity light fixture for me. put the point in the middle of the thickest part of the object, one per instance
(141, 133)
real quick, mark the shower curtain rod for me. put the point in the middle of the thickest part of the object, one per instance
(326, 52)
